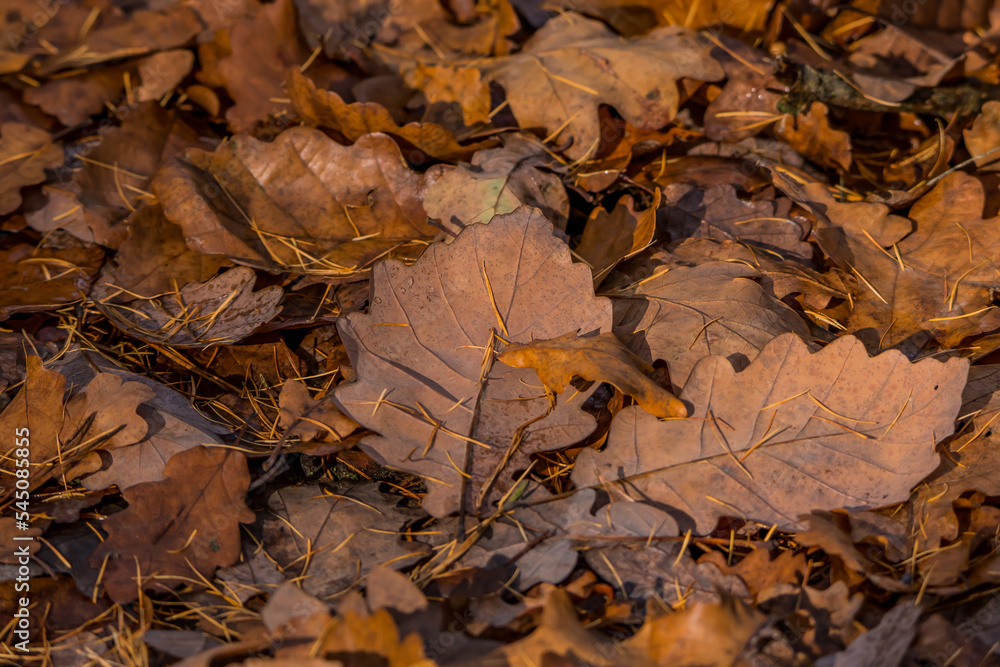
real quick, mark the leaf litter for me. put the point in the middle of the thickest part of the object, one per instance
(514, 333)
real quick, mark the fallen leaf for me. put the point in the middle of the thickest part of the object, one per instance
(223, 310)
(579, 63)
(325, 108)
(423, 354)
(332, 532)
(309, 418)
(498, 181)
(182, 527)
(840, 428)
(37, 279)
(884, 645)
(599, 358)
(810, 134)
(302, 203)
(685, 314)
(609, 237)
(38, 407)
(25, 153)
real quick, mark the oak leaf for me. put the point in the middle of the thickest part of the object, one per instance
(598, 358)
(219, 311)
(331, 531)
(325, 108)
(25, 153)
(182, 527)
(794, 431)
(683, 314)
(611, 236)
(302, 203)
(498, 181)
(427, 383)
(37, 279)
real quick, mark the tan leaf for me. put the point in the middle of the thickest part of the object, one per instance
(461, 85)
(810, 134)
(598, 358)
(325, 108)
(222, 310)
(309, 418)
(341, 534)
(793, 432)
(609, 237)
(424, 357)
(983, 138)
(574, 64)
(37, 407)
(498, 181)
(187, 524)
(302, 203)
(686, 313)
(25, 153)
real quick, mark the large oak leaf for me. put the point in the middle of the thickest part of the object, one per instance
(793, 432)
(424, 356)
(302, 203)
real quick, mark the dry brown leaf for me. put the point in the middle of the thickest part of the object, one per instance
(573, 64)
(223, 310)
(153, 260)
(498, 181)
(609, 237)
(983, 138)
(171, 424)
(25, 153)
(706, 635)
(309, 418)
(424, 357)
(174, 530)
(36, 279)
(302, 203)
(345, 531)
(794, 431)
(462, 85)
(686, 313)
(599, 358)
(325, 108)
(38, 407)
(94, 206)
(950, 259)
(639, 16)
(885, 645)
(718, 213)
(810, 134)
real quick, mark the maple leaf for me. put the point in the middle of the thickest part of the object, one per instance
(794, 431)
(184, 526)
(424, 357)
(301, 203)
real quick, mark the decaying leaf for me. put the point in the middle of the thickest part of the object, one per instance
(309, 418)
(37, 279)
(599, 358)
(182, 527)
(222, 310)
(325, 108)
(794, 431)
(609, 237)
(427, 383)
(25, 153)
(301, 203)
(498, 181)
(683, 314)
(327, 535)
